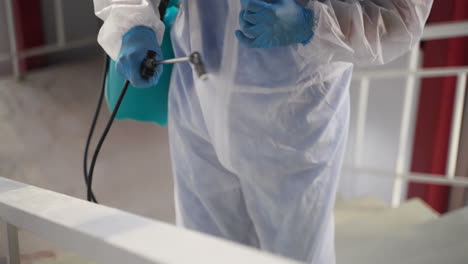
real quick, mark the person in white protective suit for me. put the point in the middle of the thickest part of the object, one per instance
(257, 147)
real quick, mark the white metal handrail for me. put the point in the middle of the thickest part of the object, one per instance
(420, 73)
(445, 30)
(432, 32)
(108, 235)
(414, 177)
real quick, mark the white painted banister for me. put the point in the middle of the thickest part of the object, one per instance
(108, 235)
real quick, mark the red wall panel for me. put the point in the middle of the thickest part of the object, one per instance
(29, 30)
(435, 107)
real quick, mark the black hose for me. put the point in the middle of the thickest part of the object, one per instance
(90, 195)
(88, 173)
(103, 138)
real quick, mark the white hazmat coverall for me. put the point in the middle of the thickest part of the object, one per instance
(257, 148)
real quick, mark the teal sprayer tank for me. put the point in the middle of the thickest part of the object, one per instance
(149, 104)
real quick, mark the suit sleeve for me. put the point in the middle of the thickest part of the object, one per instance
(119, 16)
(365, 32)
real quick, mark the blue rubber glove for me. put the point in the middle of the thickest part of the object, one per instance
(135, 44)
(273, 24)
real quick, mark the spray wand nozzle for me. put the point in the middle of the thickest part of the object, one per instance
(148, 66)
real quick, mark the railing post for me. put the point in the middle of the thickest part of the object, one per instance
(59, 23)
(457, 121)
(14, 56)
(361, 121)
(9, 235)
(405, 125)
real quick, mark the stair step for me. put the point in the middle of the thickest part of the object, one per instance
(443, 240)
(370, 226)
(351, 210)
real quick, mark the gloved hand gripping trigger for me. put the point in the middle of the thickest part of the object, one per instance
(149, 64)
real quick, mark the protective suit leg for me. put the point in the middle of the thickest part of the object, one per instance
(293, 224)
(265, 204)
(256, 149)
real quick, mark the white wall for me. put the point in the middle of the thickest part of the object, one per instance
(382, 133)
